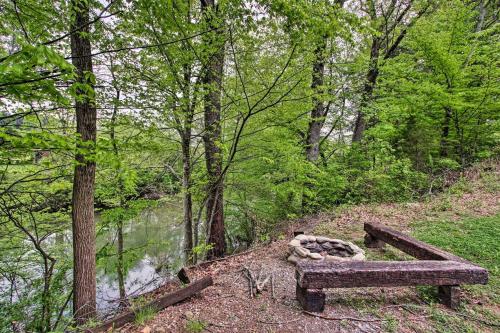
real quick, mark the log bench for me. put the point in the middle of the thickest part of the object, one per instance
(438, 268)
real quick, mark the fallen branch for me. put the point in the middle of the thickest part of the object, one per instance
(256, 285)
(272, 286)
(157, 304)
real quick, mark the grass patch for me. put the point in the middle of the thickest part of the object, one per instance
(143, 315)
(475, 239)
(195, 326)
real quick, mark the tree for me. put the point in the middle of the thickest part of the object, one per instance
(390, 22)
(84, 265)
(212, 80)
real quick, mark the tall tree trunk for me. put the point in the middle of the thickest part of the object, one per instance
(212, 79)
(185, 135)
(318, 112)
(84, 271)
(187, 202)
(370, 81)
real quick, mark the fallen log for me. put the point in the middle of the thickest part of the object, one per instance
(157, 304)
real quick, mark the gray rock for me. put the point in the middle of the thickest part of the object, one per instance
(335, 258)
(302, 251)
(321, 239)
(311, 238)
(313, 247)
(338, 241)
(358, 257)
(327, 246)
(315, 256)
(355, 248)
(293, 259)
(293, 243)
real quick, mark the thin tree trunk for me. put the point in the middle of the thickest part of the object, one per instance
(187, 202)
(120, 266)
(120, 269)
(185, 135)
(318, 112)
(445, 132)
(84, 271)
(369, 86)
(212, 79)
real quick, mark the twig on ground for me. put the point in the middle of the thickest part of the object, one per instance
(342, 318)
(402, 306)
(272, 286)
(278, 322)
(256, 285)
(220, 297)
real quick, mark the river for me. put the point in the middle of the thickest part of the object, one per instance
(152, 253)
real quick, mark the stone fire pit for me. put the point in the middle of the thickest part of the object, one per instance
(308, 247)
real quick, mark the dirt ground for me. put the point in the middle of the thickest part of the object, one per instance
(228, 307)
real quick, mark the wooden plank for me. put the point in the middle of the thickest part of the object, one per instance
(387, 274)
(409, 245)
(157, 304)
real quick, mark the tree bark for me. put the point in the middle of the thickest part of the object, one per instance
(381, 44)
(120, 267)
(212, 80)
(84, 271)
(370, 81)
(187, 202)
(318, 112)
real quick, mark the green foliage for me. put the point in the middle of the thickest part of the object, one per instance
(143, 315)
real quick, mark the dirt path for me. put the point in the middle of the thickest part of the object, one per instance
(227, 306)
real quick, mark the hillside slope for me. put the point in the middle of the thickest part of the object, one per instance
(465, 220)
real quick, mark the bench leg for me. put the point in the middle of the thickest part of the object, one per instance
(312, 300)
(372, 242)
(449, 296)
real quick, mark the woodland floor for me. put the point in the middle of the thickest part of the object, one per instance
(464, 219)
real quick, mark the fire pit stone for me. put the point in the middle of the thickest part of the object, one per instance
(318, 248)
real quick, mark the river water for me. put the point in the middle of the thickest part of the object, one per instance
(152, 253)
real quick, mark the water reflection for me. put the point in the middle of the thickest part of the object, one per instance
(152, 244)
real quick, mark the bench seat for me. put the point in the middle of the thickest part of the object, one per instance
(448, 275)
(312, 275)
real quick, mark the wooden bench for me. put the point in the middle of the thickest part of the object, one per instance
(438, 268)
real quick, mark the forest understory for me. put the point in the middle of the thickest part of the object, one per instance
(468, 212)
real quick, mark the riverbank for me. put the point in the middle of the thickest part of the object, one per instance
(464, 220)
